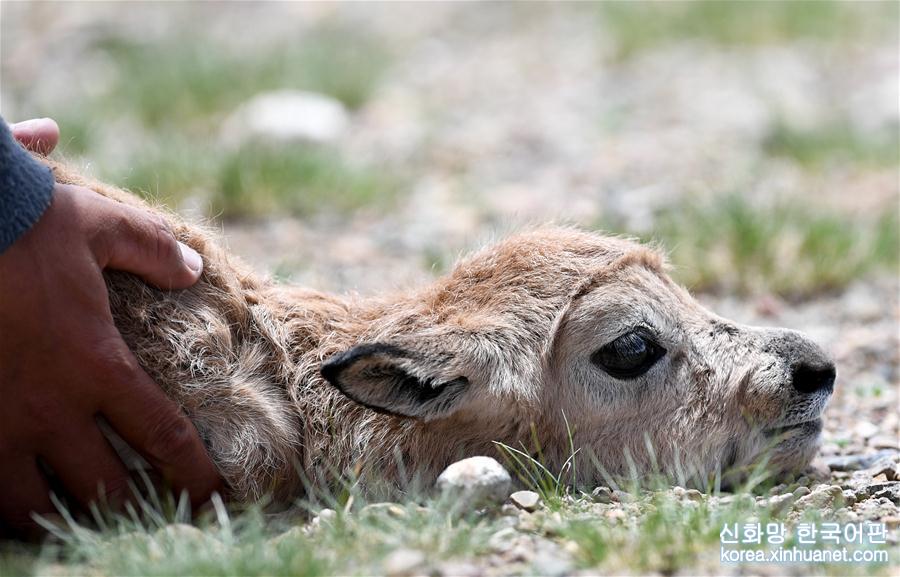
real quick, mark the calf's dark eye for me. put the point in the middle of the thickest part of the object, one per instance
(629, 356)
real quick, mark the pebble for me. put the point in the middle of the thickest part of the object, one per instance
(324, 516)
(800, 492)
(527, 500)
(884, 442)
(869, 490)
(474, 483)
(509, 510)
(287, 116)
(865, 429)
(875, 509)
(522, 551)
(688, 494)
(822, 497)
(392, 509)
(890, 492)
(856, 462)
(885, 466)
(779, 503)
(739, 500)
(602, 495)
(403, 562)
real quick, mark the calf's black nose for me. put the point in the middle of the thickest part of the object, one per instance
(809, 379)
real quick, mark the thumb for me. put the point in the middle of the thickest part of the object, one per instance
(37, 135)
(143, 244)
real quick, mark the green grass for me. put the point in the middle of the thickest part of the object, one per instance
(175, 94)
(659, 532)
(638, 26)
(730, 244)
(299, 179)
(256, 180)
(553, 487)
(157, 539)
(168, 169)
(831, 144)
(670, 534)
(185, 80)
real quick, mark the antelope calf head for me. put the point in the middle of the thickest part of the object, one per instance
(582, 341)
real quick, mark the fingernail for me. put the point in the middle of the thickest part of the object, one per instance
(190, 257)
(27, 124)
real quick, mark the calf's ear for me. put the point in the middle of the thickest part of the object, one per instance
(393, 380)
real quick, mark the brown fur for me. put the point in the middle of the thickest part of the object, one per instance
(512, 325)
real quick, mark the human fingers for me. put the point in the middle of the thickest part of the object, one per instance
(89, 468)
(139, 242)
(25, 492)
(155, 426)
(37, 135)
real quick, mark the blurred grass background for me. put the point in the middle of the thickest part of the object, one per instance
(640, 26)
(178, 90)
(142, 96)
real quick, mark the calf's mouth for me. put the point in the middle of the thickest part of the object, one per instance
(805, 385)
(809, 430)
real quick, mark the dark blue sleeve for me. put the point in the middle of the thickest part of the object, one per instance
(25, 189)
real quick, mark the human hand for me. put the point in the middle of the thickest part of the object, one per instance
(37, 135)
(63, 363)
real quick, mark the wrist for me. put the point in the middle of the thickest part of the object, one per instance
(26, 187)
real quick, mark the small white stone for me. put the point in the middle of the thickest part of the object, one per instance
(821, 498)
(286, 116)
(324, 516)
(865, 429)
(602, 495)
(800, 492)
(527, 500)
(693, 495)
(403, 562)
(884, 442)
(475, 482)
(780, 503)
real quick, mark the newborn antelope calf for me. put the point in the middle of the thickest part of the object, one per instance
(556, 335)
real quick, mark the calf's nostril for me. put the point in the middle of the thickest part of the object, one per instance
(808, 379)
